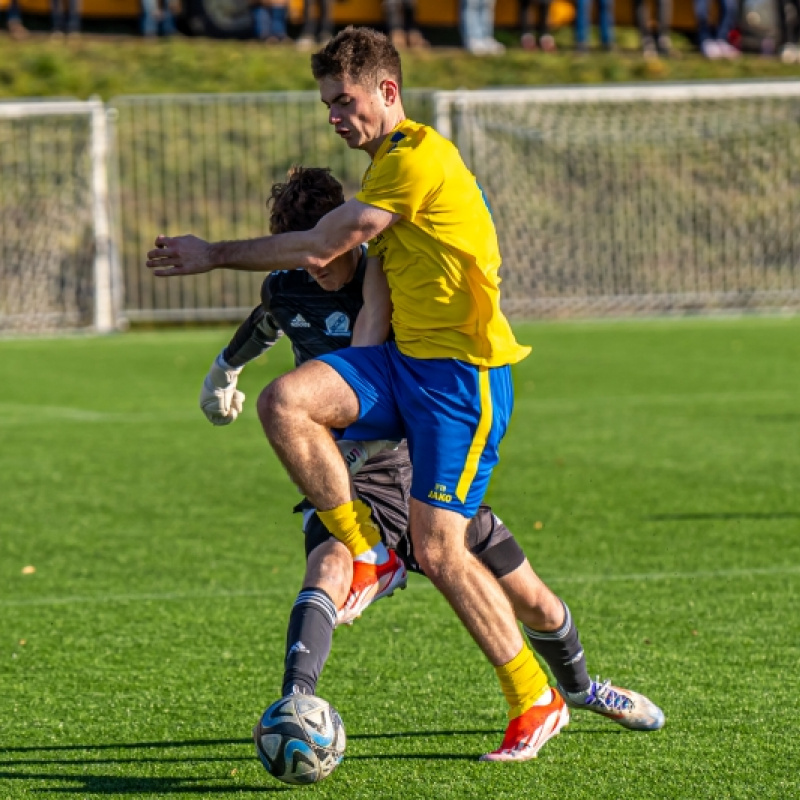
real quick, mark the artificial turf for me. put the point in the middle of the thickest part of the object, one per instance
(651, 473)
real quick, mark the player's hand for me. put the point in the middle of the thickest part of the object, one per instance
(356, 454)
(220, 400)
(180, 255)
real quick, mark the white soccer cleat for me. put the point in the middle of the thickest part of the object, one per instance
(529, 732)
(371, 582)
(629, 709)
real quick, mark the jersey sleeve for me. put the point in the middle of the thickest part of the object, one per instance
(404, 180)
(255, 336)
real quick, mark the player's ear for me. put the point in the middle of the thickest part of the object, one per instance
(390, 91)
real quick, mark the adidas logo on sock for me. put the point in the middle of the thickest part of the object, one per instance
(298, 647)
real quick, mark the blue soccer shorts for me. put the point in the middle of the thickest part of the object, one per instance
(452, 413)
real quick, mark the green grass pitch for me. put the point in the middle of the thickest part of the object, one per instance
(652, 473)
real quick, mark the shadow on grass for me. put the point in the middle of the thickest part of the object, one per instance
(732, 515)
(133, 785)
(173, 744)
(166, 745)
(120, 785)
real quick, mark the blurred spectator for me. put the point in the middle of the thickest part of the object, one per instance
(316, 28)
(583, 14)
(716, 46)
(790, 27)
(477, 28)
(543, 39)
(401, 24)
(269, 20)
(660, 43)
(16, 30)
(69, 23)
(158, 17)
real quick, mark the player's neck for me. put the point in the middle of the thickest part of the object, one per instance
(391, 122)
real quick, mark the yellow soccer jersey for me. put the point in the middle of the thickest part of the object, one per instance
(441, 259)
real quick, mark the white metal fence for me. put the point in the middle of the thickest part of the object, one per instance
(607, 199)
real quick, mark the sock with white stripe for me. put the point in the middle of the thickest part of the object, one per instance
(308, 641)
(562, 651)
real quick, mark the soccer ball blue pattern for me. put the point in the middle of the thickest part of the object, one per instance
(300, 739)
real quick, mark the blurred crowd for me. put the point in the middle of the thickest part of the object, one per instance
(476, 25)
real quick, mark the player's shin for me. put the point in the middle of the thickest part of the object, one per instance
(562, 651)
(308, 641)
(523, 682)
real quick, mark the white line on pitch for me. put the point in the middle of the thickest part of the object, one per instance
(245, 593)
(20, 413)
(145, 597)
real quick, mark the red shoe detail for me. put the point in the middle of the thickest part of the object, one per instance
(371, 583)
(529, 732)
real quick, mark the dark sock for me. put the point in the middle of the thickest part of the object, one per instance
(308, 641)
(563, 653)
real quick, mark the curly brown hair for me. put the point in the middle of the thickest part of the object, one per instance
(308, 194)
(362, 55)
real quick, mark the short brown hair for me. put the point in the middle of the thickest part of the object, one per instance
(308, 194)
(362, 55)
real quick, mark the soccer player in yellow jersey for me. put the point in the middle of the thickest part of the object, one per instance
(443, 383)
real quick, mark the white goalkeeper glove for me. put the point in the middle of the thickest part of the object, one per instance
(356, 454)
(220, 400)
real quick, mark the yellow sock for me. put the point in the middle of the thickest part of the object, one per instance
(352, 524)
(523, 682)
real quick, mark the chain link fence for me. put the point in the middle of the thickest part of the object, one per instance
(628, 200)
(204, 164)
(607, 200)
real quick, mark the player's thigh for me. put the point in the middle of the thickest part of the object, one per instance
(314, 389)
(493, 544)
(367, 371)
(439, 537)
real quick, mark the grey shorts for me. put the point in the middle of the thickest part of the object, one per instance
(384, 485)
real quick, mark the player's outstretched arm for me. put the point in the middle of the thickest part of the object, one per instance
(375, 318)
(340, 230)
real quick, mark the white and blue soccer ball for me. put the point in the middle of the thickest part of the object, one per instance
(300, 739)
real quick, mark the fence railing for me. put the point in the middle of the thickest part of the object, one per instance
(607, 200)
(204, 164)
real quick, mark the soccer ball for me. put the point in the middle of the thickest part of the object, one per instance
(300, 739)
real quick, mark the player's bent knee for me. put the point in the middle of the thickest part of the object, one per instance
(277, 402)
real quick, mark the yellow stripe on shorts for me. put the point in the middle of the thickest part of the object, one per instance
(481, 435)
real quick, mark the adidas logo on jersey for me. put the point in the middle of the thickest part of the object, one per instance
(298, 647)
(299, 321)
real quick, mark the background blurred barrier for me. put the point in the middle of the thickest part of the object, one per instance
(57, 266)
(204, 164)
(608, 200)
(628, 199)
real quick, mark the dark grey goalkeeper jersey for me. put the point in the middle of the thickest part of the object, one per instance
(315, 320)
